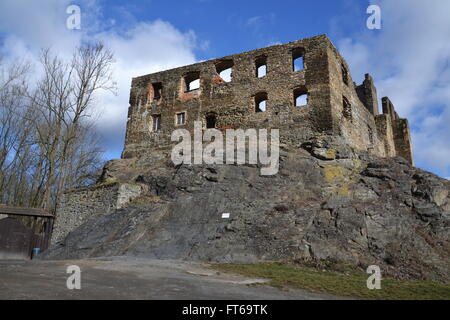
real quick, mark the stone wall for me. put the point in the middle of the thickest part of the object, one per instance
(402, 139)
(354, 122)
(77, 206)
(233, 103)
(400, 131)
(367, 93)
(325, 78)
(384, 128)
(335, 107)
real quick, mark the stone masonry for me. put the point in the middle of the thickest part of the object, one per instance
(76, 206)
(163, 101)
(312, 68)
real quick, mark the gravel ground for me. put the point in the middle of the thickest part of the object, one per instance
(131, 278)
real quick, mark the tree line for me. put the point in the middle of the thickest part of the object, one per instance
(47, 140)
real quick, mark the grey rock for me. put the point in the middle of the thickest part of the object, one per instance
(381, 211)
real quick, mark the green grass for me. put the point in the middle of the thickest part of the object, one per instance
(349, 283)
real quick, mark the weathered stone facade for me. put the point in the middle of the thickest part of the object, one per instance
(335, 104)
(161, 102)
(76, 206)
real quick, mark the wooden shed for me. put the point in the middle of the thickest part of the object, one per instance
(22, 230)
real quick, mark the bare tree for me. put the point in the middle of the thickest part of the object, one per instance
(14, 160)
(63, 100)
(55, 146)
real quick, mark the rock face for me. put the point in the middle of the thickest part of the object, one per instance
(327, 202)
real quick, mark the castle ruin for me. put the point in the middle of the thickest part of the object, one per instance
(303, 88)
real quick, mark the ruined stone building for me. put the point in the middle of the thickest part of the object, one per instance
(303, 88)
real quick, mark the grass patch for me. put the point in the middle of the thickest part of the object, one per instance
(351, 283)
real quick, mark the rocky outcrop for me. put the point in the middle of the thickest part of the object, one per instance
(327, 202)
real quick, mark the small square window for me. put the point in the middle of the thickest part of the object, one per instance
(192, 81)
(181, 118)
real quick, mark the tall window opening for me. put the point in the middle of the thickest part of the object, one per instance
(261, 102)
(297, 59)
(261, 66)
(211, 121)
(157, 90)
(181, 118)
(156, 122)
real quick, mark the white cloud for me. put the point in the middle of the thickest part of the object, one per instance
(146, 48)
(410, 61)
(38, 23)
(141, 49)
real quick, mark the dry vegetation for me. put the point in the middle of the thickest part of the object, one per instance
(350, 283)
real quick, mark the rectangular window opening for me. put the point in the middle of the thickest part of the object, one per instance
(211, 121)
(261, 66)
(181, 118)
(156, 125)
(192, 81)
(298, 63)
(261, 102)
(193, 85)
(157, 90)
(262, 71)
(225, 70)
(300, 97)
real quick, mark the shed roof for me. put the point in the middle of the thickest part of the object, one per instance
(22, 211)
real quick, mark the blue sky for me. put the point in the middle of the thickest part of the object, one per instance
(227, 27)
(409, 57)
